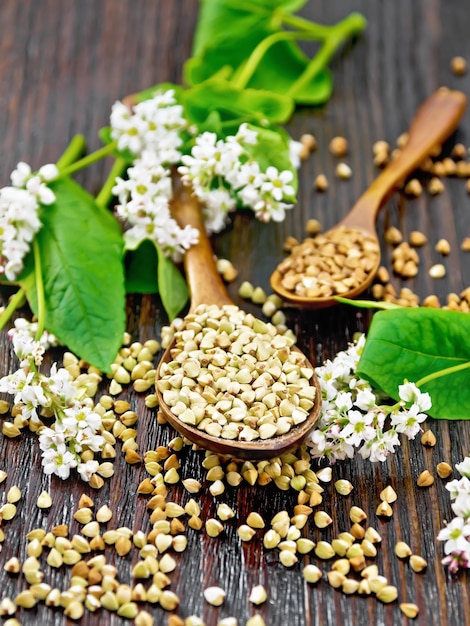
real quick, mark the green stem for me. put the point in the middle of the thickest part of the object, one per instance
(331, 36)
(87, 160)
(243, 77)
(105, 194)
(368, 304)
(75, 148)
(445, 372)
(15, 302)
(339, 33)
(39, 289)
(353, 24)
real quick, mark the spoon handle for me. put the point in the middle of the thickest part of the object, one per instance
(432, 124)
(205, 284)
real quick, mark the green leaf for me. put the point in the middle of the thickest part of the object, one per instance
(418, 344)
(228, 32)
(81, 255)
(256, 44)
(232, 103)
(141, 269)
(222, 20)
(148, 270)
(173, 289)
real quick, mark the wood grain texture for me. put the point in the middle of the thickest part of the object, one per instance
(62, 65)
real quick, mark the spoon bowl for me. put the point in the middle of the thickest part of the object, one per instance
(433, 123)
(247, 450)
(206, 287)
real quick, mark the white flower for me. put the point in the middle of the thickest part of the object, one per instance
(246, 135)
(365, 399)
(25, 345)
(32, 397)
(58, 461)
(19, 219)
(86, 438)
(86, 470)
(379, 449)
(456, 487)
(20, 175)
(272, 210)
(464, 467)
(408, 422)
(250, 195)
(410, 393)
(455, 534)
(36, 186)
(343, 401)
(295, 150)
(84, 417)
(318, 440)
(62, 387)
(278, 183)
(461, 505)
(246, 175)
(48, 172)
(218, 203)
(359, 428)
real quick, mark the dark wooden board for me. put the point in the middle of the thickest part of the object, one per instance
(62, 65)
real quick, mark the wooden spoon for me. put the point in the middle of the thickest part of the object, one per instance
(434, 121)
(207, 287)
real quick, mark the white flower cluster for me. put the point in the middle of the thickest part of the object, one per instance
(456, 533)
(75, 427)
(152, 133)
(351, 418)
(154, 124)
(144, 204)
(224, 175)
(19, 207)
(25, 345)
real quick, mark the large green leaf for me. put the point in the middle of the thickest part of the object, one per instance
(418, 344)
(81, 247)
(236, 104)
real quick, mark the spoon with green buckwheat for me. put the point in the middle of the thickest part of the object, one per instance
(228, 381)
(344, 260)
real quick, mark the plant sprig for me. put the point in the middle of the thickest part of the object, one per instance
(428, 346)
(78, 270)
